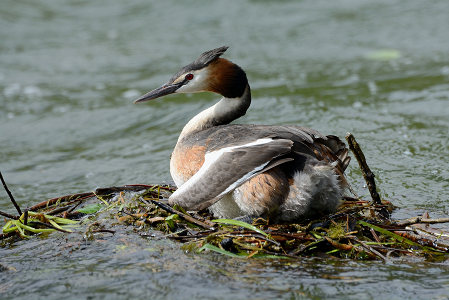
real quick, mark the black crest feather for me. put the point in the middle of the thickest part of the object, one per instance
(205, 59)
(209, 56)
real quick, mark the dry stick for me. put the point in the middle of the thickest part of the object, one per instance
(131, 188)
(73, 207)
(8, 215)
(422, 241)
(25, 217)
(346, 247)
(296, 236)
(280, 254)
(180, 214)
(371, 249)
(340, 246)
(103, 230)
(252, 234)
(185, 238)
(82, 196)
(58, 210)
(6, 235)
(61, 200)
(116, 189)
(417, 220)
(375, 236)
(168, 187)
(10, 195)
(68, 207)
(367, 174)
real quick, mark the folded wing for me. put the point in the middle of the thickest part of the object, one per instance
(225, 169)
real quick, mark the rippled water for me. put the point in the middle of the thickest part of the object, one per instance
(70, 70)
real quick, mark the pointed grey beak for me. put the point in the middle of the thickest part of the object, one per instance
(164, 90)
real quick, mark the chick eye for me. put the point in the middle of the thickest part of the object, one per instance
(189, 76)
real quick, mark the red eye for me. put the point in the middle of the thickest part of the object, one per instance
(189, 76)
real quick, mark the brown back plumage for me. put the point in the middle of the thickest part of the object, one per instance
(332, 150)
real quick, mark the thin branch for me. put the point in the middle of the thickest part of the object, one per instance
(62, 199)
(181, 215)
(366, 171)
(130, 188)
(6, 235)
(417, 220)
(103, 230)
(10, 195)
(8, 215)
(369, 248)
(419, 239)
(25, 217)
(74, 207)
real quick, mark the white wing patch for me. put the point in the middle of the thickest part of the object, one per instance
(211, 157)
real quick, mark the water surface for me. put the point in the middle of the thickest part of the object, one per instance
(69, 72)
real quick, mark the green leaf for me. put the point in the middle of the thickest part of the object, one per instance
(316, 235)
(179, 208)
(56, 225)
(172, 217)
(379, 244)
(395, 236)
(7, 225)
(170, 220)
(34, 230)
(90, 209)
(219, 250)
(241, 224)
(63, 221)
(332, 251)
(60, 221)
(22, 232)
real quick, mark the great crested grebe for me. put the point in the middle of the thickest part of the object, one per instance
(282, 172)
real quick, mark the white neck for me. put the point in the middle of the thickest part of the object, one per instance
(223, 112)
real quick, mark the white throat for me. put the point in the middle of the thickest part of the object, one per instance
(223, 112)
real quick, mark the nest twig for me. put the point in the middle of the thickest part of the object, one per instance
(366, 171)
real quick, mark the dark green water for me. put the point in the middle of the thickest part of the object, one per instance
(70, 70)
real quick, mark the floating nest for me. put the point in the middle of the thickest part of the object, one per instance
(360, 229)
